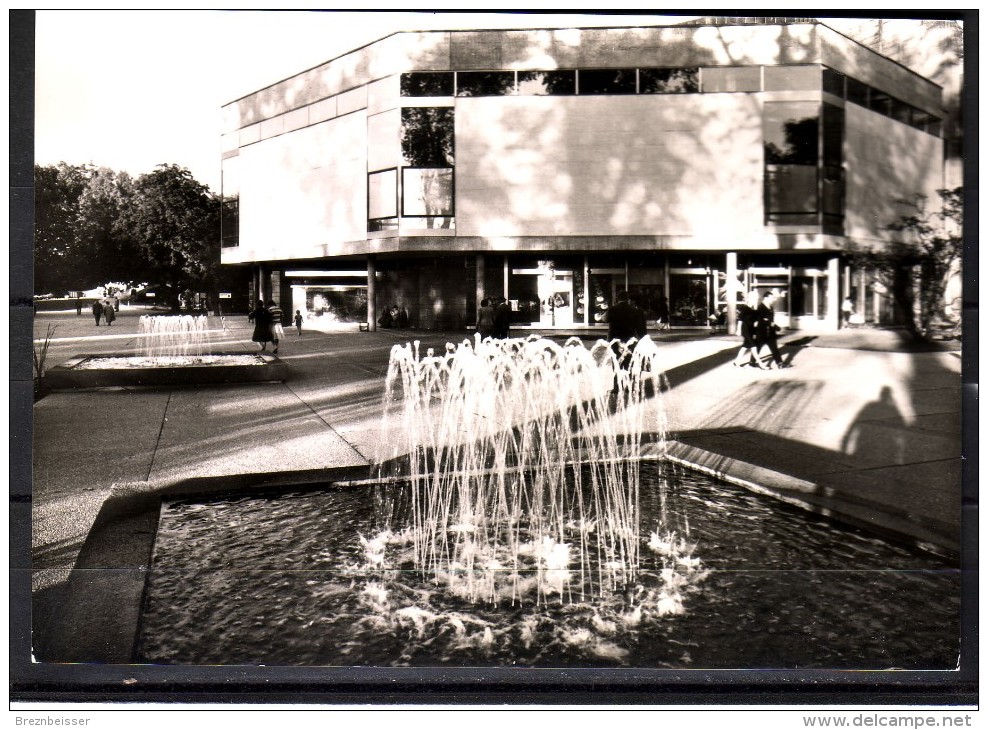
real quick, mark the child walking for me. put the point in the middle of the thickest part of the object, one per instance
(298, 321)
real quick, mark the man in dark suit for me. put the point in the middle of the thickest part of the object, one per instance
(502, 319)
(625, 326)
(766, 330)
(625, 321)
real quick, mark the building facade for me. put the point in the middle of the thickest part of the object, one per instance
(686, 164)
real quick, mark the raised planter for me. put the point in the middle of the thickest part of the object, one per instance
(75, 373)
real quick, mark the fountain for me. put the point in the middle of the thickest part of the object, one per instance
(515, 518)
(171, 350)
(496, 433)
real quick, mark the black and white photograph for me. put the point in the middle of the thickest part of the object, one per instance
(530, 348)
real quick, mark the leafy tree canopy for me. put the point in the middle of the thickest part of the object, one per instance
(917, 269)
(94, 225)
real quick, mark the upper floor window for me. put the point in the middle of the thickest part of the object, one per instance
(608, 81)
(427, 83)
(668, 80)
(230, 206)
(547, 83)
(427, 136)
(485, 83)
(792, 132)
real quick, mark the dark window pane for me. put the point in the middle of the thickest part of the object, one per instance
(880, 102)
(607, 81)
(668, 80)
(427, 136)
(833, 191)
(791, 132)
(383, 224)
(738, 78)
(427, 83)
(901, 112)
(918, 119)
(833, 135)
(857, 92)
(792, 78)
(833, 82)
(485, 83)
(933, 126)
(790, 189)
(230, 222)
(547, 83)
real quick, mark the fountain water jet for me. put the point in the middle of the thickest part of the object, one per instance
(523, 462)
(173, 337)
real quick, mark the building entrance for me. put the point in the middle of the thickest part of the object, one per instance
(542, 297)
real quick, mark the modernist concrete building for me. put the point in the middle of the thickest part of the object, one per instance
(429, 170)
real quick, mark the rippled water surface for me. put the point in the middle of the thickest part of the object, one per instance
(728, 579)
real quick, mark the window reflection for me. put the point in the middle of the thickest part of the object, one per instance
(669, 80)
(547, 83)
(485, 83)
(427, 83)
(791, 132)
(427, 191)
(427, 136)
(230, 207)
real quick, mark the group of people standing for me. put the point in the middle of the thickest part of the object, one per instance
(267, 324)
(494, 318)
(758, 330)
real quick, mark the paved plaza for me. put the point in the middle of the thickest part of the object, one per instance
(864, 426)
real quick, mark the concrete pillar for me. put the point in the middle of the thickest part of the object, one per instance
(733, 289)
(371, 294)
(481, 276)
(264, 283)
(833, 294)
(862, 302)
(505, 287)
(255, 285)
(586, 290)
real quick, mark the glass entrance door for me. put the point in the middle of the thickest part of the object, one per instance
(542, 297)
(556, 299)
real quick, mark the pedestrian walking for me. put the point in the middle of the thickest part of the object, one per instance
(663, 313)
(767, 331)
(747, 321)
(109, 313)
(277, 330)
(97, 311)
(78, 306)
(502, 319)
(261, 318)
(298, 322)
(846, 310)
(485, 319)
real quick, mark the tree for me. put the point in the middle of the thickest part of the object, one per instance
(173, 221)
(109, 253)
(57, 189)
(917, 268)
